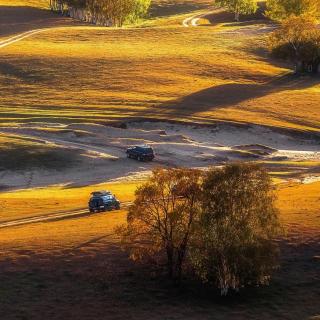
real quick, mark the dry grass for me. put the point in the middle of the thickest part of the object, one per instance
(50, 267)
(32, 202)
(292, 169)
(30, 3)
(19, 153)
(300, 206)
(74, 269)
(170, 72)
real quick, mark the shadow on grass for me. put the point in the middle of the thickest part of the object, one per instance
(168, 8)
(25, 157)
(15, 19)
(93, 280)
(222, 16)
(28, 74)
(229, 95)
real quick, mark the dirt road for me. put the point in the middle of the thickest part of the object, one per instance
(193, 21)
(20, 37)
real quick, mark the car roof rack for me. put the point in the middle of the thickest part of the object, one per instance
(100, 193)
(143, 146)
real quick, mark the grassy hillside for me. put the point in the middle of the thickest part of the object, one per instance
(192, 74)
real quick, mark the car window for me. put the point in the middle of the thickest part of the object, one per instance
(144, 150)
(108, 197)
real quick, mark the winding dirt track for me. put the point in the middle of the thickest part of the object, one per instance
(20, 37)
(188, 22)
(193, 21)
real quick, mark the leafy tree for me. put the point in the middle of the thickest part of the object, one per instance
(298, 39)
(105, 12)
(282, 9)
(236, 228)
(161, 220)
(239, 7)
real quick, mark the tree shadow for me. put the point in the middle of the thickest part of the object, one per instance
(222, 16)
(15, 20)
(96, 274)
(230, 95)
(23, 74)
(169, 8)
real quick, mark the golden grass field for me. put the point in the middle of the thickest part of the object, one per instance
(31, 202)
(31, 3)
(162, 71)
(158, 69)
(74, 268)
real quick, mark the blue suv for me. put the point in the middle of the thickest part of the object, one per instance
(141, 153)
(103, 201)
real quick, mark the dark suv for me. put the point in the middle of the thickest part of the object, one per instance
(103, 201)
(141, 153)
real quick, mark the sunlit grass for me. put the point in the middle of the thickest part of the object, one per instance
(57, 237)
(294, 163)
(143, 73)
(31, 3)
(299, 206)
(32, 202)
(203, 74)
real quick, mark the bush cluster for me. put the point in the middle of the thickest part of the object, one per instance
(298, 37)
(218, 225)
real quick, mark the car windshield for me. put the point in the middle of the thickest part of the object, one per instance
(100, 193)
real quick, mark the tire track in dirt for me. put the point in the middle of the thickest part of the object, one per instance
(19, 37)
(53, 217)
(193, 21)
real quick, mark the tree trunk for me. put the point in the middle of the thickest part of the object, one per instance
(299, 67)
(237, 16)
(170, 261)
(178, 272)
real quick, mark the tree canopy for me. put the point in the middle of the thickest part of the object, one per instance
(220, 224)
(282, 9)
(298, 39)
(236, 228)
(239, 7)
(161, 220)
(114, 12)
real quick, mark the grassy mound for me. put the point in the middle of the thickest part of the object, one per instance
(21, 154)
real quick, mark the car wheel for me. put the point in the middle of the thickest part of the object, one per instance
(140, 158)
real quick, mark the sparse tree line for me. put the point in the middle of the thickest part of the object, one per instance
(102, 12)
(275, 9)
(216, 226)
(298, 37)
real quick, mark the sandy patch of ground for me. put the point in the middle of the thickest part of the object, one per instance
(102, 149)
